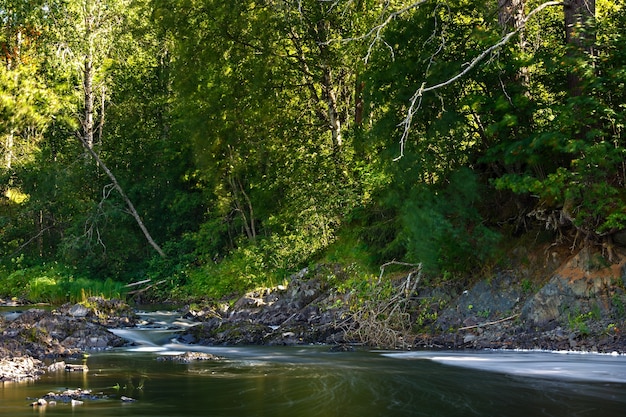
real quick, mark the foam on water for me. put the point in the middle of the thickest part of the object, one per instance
(550, 365)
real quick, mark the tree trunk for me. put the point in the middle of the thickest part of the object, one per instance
(511, 17)
(13, 61)
(8, 148)
(247, 219)
(358, 102)
(511, 14)
(578, 16)
(334, 119)
(88, 74)
(88, 97)
(102, 103)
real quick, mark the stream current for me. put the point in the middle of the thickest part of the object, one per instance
(312, 381)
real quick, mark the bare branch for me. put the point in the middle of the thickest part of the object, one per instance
(120, 190)
(490, 323)
(40, 233)
(375, 33)
(416, 101)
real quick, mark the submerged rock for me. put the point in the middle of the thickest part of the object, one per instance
(189, 357)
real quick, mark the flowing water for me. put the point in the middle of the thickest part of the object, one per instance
(312, 381)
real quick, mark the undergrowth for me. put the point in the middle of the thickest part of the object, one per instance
(55, 284)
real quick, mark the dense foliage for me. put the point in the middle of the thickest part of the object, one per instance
(252, 138)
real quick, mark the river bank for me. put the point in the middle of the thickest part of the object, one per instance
(33, 338)
(565, 302)
(578, 305)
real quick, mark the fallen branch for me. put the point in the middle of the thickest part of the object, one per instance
(134, 284)
(135, 292)
(489, 323)
(383, 319)
(383, 266)
(41, 232)
(119, 189)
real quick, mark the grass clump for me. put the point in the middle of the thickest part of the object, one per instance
(55, 284)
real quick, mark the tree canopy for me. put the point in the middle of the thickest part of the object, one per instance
(235, 142)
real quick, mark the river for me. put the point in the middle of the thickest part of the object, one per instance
(313, 381)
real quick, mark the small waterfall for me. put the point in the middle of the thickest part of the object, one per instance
(155, 330)
(146, 336)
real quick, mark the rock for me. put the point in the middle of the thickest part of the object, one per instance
(41, 402)
(187, 339)
(79, 310)
(20, 368)
(56, 367)
(76, 368)
(189, 357)
(72, 396)
(488, 298)
(579, 286)
(66, 332)
(127, 399)
(342, 348)
(546, 305)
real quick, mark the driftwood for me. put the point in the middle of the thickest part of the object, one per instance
(489, 323)
(383, 319)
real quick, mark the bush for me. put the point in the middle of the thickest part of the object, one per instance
(443, 227)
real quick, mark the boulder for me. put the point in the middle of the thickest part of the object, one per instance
(20, 368)
(583, 284)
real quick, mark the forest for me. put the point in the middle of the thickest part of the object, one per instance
(215, 146)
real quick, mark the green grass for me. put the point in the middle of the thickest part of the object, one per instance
(55, 284)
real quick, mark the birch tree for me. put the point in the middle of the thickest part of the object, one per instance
(89, 36)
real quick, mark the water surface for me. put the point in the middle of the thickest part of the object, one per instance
(312, 381)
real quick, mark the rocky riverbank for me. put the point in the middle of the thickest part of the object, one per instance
(562, 302)
(577, 302)
(566, 302)
(30, 337)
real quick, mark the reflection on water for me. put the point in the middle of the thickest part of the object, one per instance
(311, 381)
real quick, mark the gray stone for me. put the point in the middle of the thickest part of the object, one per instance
(79, 310)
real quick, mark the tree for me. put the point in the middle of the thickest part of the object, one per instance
(90, 33)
